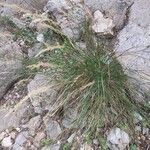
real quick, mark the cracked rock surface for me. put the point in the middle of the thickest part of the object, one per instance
(25, 5)
(10, 61)
(41, 101)
(134, 46)
(70, 16)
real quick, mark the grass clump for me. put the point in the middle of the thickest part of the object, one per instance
(46, 142)
(66, 146)
(92, 80)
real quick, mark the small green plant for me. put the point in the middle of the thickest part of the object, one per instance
(6, 22)
(92, 80)
(50, 37)
(28, 35)
(46, 142)
(66, 146)
(103, 143)
(26, 71)
(133, 147)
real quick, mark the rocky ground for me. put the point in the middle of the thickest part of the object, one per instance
(25, 103)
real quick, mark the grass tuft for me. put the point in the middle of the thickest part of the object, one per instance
(92, 80)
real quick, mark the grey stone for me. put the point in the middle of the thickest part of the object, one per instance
(133, 49)
(95, 141)
(20, 140)
(52, 128)
(13, 134)
(10, 61)
(145, 131)
(70, 115)
(52, 147)
(1, 6)
(7, 142)
(18, 129)
(138, 118)
(40, 38)
(71, 138)
(114, 9)
(32, 147)
(70, 16)
(11, 117)
(117, 139)
(102, 25)
(97, 4)
(25, 6)
(33, 125)
(118, 10)
(2, 135)
(138, 128)
(38, 138)
(86, 147)
(42, 93)
(81, 45)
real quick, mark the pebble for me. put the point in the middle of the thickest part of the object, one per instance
(138, 129)
(145, 131)
(7, 142)
(7, 131)
(95, 141)
(40, 38)
(38, 138)
(18, 129)
(71, 138)
(2, 135)
(32, 147)
(86, 147)
(143, 138)
(13, 135)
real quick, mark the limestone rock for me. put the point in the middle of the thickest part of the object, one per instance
(11, 9)
(95, 141)
(86, 147)
(97, 4)
(114, 9)
(133, 48)
(145, 131)
(38, 138)
(11, 117)
(13, 134)
(138, 118)
(52, 128)
(42, 93)
(52, 147)
(101, 25)
(40, 38)
(33, 125)
(71, 138)
(117, 139)
(7, 142)
(118, 10)
(138, 128)
(70, 16)
(20, 140)
(2, 135)
(70, 115)
(10, 61)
